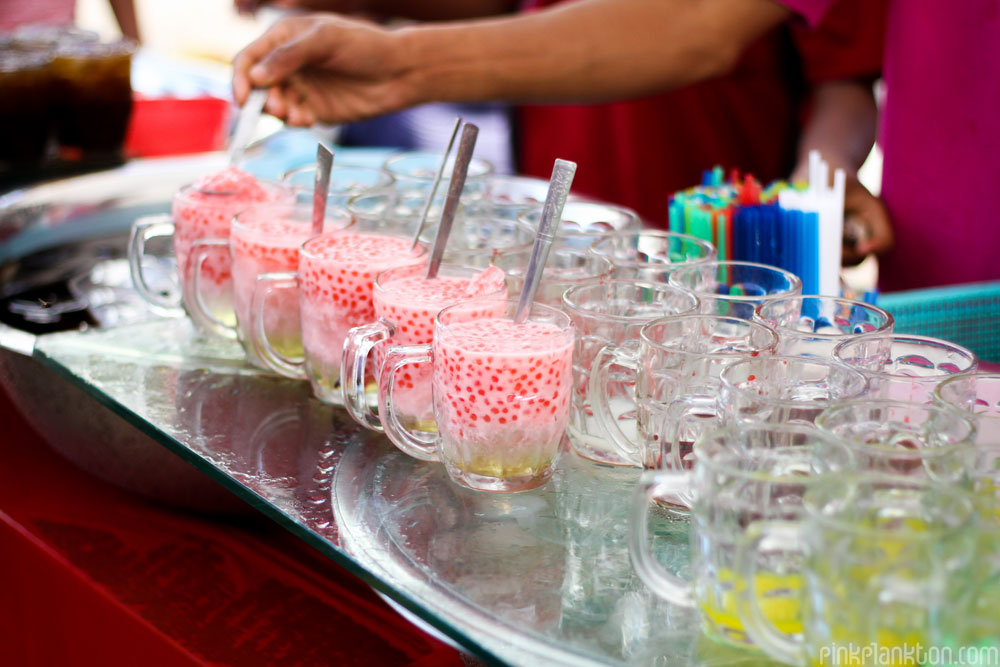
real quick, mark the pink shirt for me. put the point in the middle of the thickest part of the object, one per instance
(940, 132)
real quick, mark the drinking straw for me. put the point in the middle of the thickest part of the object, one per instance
(559, 185)
(435, 184)
(321, 186)
(246, 123)
(455, 186)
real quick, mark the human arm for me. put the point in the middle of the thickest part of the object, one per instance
(336, 70)
(124, 11)
(842, 128)
(427, 10)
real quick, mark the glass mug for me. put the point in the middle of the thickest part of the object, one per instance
(263, 238)
(414, 173)
(978, 395)
(346, 182)
(583, 222)
(334, 284)
(651, 254)
(814, 325)
(501, 392)
(677, 362)
(735, 288)
(565, 268)
(405, 304)
(785, 389)
(743, 474)
(904, 367)
(913, 439)
(977, 626)
(204, 209)
(881, 560)
(475, 236)
(611, 313)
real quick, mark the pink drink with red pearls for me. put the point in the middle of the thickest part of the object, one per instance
(205, 209)
(407, 299)
(336, 273)
(266, 238)
(501, 397)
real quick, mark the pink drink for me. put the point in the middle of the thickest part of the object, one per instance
(336, 273)
(205, 209)
(501, 396)
(259, 244)
(410, 302)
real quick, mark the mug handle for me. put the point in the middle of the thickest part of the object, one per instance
(358, 345)
(786, 536)
(421, 446)
(143, 229)
(197, 309)
(654, 483)
(266, 283)
(599, 392)
(698, 414)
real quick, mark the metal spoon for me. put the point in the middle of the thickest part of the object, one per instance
(559, 185)
(246, 123)
(435, 184)
(321, 186)
(458, 174)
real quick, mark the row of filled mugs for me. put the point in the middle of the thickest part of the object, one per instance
(839, 478)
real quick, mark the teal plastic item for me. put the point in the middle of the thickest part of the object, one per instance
(965, 314)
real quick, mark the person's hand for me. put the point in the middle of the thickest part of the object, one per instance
(867, 228)
(326, 69)
(339, 6)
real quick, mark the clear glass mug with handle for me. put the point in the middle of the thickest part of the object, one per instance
(565, 267)
(735, 288)
(612, 313)
(882, 559)
(815, 325)
(333, 285)
(263, 238)
(783, 389)
(501, 392)
(651, 254)
(977, 395)
(901, 438)
(677, 362)
(744, 473)
(406, 303)
(203, 209)
(905, 367)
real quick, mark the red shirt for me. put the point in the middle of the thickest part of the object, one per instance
(637, 153)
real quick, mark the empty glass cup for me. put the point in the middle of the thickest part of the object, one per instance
(733, 288)
(814, 325)
(881, 561)
(612, 313)
(566, 267)
(677, 362)
(584, 222)
(786, 390)
(901, 438)
(744, 474)
(345, 182)
(651, 254)
(905, 367)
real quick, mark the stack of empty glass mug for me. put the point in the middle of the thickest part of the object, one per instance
(838, 481)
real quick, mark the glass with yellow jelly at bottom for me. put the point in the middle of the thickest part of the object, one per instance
(743, 474)
(885, 562)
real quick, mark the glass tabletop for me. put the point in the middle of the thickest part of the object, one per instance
(540, 577)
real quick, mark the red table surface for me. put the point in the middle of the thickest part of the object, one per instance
(95, 575)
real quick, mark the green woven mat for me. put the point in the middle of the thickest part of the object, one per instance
(965, 314)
